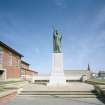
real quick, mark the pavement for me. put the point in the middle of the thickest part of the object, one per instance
(7, 92)
(8, 97)
(73, 86)
(102, 87)
(53, 100)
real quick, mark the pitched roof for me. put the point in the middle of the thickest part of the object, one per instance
(10, 49)
(29, 70)
(24, 62)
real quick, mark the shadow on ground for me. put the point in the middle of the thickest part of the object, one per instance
(100, 97)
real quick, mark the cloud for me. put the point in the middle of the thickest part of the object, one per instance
(60, 3)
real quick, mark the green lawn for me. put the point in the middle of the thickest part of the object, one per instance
(8, 82)
(97, 81)
(1, 88)
(3, 83)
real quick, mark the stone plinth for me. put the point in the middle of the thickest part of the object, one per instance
(57, 75)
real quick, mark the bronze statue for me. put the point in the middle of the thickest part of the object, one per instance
(56, 42)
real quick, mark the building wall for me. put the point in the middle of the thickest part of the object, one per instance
(101, 74)
(77, 74)
(12, 67)
(25, 66)
(32, 73)
(26, 73)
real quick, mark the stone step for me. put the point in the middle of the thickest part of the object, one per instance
(77, 96)
(63, 96)
(57, 93)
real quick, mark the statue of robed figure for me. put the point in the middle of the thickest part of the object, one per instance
(57, 37)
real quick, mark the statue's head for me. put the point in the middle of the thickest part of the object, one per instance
(57, 32)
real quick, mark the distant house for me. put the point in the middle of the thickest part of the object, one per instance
(101, 74)
(94, 75)
(26, 73)
(10, 62)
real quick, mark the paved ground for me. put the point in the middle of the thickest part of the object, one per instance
(4, 100)
(53, 100)
(73, 86)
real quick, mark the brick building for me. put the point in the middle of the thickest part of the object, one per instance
(26, 73)
(10, 62)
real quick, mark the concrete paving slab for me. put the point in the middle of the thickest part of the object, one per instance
(53, 100)
(73, 86)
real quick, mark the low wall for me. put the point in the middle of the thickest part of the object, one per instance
(99, 86)
(95, 82)
(99, 90)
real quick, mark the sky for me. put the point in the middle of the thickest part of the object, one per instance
(26, 25)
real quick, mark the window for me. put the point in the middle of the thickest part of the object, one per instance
(10, 58)
(22, 72)
(18, 62)
(1, 55)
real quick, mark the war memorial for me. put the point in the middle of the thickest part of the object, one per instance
(57, 75)
(57, 90)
